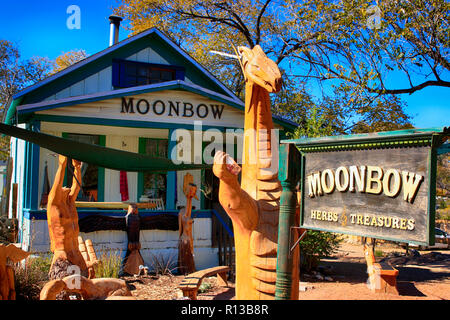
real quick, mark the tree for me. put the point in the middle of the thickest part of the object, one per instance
(342, 112)
(66, 59)
(308, 39)
(317, 244)
(364, 44)
(349, 111)
(16, 74)
(351, 40)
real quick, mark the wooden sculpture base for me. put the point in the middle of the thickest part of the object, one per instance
(133, 259)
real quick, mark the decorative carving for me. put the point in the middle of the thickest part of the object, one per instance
(186, 263)
(62, 218)
(88, 253)
(73, 258)
(95, 289)
(14, 254)
(133, 258)
(254, 205)
(164, 221)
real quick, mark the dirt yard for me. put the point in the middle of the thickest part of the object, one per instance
(348, 272)
(341, 277)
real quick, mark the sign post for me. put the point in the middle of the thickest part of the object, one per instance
(289, 174)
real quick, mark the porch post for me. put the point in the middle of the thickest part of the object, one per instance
(171, 189)
(289, 174)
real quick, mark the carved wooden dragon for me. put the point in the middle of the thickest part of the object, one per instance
(254, 205)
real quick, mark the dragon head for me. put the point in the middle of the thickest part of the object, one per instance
(261, 70)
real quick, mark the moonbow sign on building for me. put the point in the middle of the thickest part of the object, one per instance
(378, 185)
(169, 108)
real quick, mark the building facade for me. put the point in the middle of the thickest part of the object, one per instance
(143, 95)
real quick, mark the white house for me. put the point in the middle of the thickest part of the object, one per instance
(132, 96)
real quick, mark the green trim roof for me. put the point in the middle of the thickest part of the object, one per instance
(407, 137)
(32, 98)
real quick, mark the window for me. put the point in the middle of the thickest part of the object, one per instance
(89, 173)
(154, 184)
(131, 73)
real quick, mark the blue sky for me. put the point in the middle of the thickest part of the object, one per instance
(39, 29)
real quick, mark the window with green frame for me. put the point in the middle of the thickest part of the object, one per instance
(153, 185)
(92, 176)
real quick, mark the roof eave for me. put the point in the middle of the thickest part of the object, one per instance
(118, 45)
(367, 137)
(170, 85)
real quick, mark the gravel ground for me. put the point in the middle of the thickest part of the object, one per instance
(165, 287)
(341, 277)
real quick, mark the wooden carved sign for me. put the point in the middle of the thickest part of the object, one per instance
(381, 188)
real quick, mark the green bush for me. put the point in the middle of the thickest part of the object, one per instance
(110, 264)
(379, 253)
(442, 204)
(31, 276)
(315, 246)
(443, 214)
(205, 287)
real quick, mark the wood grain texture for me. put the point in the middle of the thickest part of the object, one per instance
(253, 205)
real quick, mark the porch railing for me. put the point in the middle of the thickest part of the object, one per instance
(223, 238)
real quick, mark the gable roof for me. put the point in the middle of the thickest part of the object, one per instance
(31, 98)
(23, 110)
(119, 45)
(167, 85)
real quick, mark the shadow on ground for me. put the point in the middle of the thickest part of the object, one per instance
(408, 289)
(351, 272)
(419, 274)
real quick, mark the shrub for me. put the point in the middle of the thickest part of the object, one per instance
(31, 276)
(379, 253)
(205, 287)
(110, 264)
(163, 265)
(443, 214)
(315, 246)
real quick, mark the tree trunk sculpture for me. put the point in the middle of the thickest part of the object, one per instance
(73, 259)
(14, 254)
(89, 289)
(254, 205)
(133, 258)
(186, 262)
(89, 256)
(62, 218)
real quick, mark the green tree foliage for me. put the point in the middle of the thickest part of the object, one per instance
(327, 50)
(66, 59)
(315, 246)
